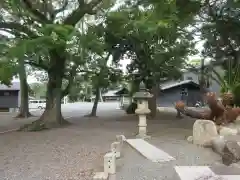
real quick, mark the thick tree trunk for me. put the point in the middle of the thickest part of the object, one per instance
(95, 104)
(202, 82)
(153, 101)
(194, 113)
(52, 116)
(24, 108)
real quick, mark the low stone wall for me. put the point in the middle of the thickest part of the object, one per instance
(207, 134)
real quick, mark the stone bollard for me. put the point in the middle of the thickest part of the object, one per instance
(120, 138)
(116, 149)
(109, 167)
(110, 163)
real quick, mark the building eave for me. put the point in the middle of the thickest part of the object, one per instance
(176, 84)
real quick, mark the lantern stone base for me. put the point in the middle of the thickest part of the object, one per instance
(142, 127)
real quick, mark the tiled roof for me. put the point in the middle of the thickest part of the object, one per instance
(110, 93)
(176, 83)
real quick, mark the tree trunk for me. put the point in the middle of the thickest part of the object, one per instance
(24, 108)
(202, 82)
(153, 101)
(100, 96)
(95, 104)
(194, 113)
(52, 115)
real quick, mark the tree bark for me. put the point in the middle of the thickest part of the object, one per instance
(153, 101)
(24, 108)
(194, 113)
(100, 96)
(52, 115)
(95, 104)
(202, 82)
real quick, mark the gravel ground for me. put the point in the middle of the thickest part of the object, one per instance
(70, 153)
(9, 122)
(76, 152)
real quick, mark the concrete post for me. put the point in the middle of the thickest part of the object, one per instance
(116, 149)
(110, 163)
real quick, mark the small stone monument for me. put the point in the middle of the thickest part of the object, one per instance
(142, 110)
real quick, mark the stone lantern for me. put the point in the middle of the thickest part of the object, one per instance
(142, 109)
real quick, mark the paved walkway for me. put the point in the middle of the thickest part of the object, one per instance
(133, 166)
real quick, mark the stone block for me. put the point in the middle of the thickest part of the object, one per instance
(142, 111)
(218, 144)
(226, 131)
(235, 165)
(100, 176)
(110, 163)
(237, 119)
(203, 132)
(231, 153)
(116, 149)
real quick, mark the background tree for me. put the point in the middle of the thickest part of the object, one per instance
(100, 72)
(153, 37)
(10, 67)
(45, 31)
(220, 31)
(24, 106)
(39, 90)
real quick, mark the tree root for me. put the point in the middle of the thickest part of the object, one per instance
(40, 125)
(90, 115)
(37, 125)
(21, 115)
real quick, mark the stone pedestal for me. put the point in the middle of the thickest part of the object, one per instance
(142, 124)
